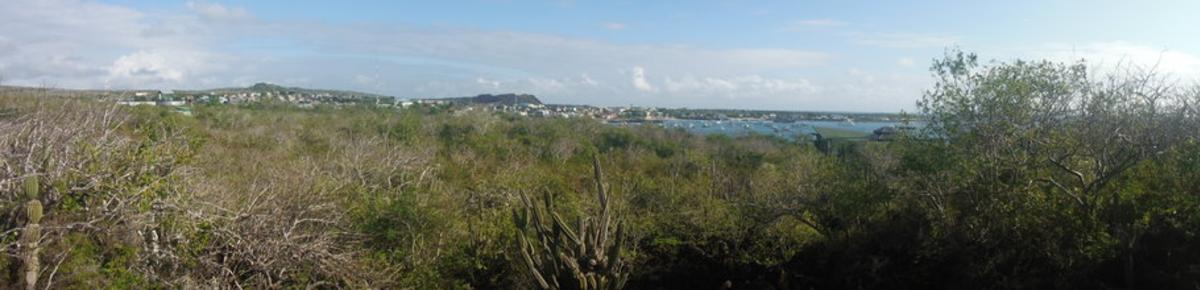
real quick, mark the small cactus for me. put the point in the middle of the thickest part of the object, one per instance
(32, 234)
(559, 256)
(33, 209)
(31, 188)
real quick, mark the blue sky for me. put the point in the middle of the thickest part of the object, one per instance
(793, 55)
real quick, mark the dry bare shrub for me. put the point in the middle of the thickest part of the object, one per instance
(243, 216)
(377, 165)
(277, 216)
(97, 177)
(286, 229)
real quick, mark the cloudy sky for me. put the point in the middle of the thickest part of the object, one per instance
(790, 55)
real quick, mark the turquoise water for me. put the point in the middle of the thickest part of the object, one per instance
(786, 130)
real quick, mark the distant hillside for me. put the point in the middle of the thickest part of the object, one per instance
(277, 89)
(502, 99)
(57, 92)
(260, 88)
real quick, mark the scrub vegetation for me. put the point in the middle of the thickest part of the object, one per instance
(1027, 175)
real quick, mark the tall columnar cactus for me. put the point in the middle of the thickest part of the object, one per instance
(32, 234)
(559, 256)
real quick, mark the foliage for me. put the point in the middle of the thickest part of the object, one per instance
(1027, 175)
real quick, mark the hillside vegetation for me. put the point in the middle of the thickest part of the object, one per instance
(1028, 175)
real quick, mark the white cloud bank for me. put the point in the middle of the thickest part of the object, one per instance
(1107, 56)
(87, 44)
(639, 79)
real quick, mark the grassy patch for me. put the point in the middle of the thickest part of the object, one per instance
(836, 133)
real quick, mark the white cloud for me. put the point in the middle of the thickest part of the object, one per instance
(145, 65)
(706, 85)
(541, 86)
(865, 89)
(772, 85)
(78, 43)
(158, 68)
(1108, 56)
(85, 44)
(587, 80)
(556, 55)
(749, 85)
(639, 79)
(487, 82)
(906, 62)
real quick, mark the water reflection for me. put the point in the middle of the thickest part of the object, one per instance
(765, 127)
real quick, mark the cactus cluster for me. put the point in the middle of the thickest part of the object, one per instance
(32, 234)
(559, 256)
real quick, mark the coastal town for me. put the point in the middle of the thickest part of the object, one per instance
(518, 104)
(819, 127)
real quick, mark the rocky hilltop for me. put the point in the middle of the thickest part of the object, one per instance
(501, 99)
(268, 89)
